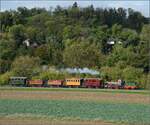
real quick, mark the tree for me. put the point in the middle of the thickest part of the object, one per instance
(131, 74)
(76, 32)
(17, 33)
(6, 20)
(31, 33)
(111, 73)
(82, 54)
(145, 33)
(44, 53)
(4, 78)
(144, 48)
(144, 81)
(116, 30)
(101, 34)
(4, 65)
(50, 53)
(75, 5)
(129, 37)
(23, 11)
(7, 49)
(119, 53)
(26, 66)
(136, 20)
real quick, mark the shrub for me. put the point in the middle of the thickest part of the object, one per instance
(111, 73)
(131, 74)
(144, 81)
(51, 75)
(26, 66)
(4, 78)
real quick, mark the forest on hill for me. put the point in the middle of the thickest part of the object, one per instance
(37, 43)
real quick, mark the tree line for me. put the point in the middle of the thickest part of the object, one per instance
(112, 41)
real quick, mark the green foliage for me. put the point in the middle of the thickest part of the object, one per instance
(76, 37)
(144, 81)
(50, 53)
(145, 33)
(7, 49)
(44, 53)
(144, 48)
(17, 33)
(119, 53)
(51, 75)
(26, 66)
(4, 78)
(4, 65)
(111, 73)
(82, 54)
(129, 37)
(131, 74)
(136, 19)
(128, 73)
(116, 30)
(31, 33)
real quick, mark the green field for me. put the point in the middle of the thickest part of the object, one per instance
(130, 113)
(72, 109)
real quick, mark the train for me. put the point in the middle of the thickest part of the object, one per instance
(72, 83)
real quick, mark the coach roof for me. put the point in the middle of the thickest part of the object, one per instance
(18, 77)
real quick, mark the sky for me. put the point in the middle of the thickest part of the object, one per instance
(138, 5)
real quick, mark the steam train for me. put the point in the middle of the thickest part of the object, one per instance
(72, 83)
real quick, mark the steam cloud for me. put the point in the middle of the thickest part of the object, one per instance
(84, 70)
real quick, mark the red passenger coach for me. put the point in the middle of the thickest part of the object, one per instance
(92, 83)
(55, 83)
(37, 83)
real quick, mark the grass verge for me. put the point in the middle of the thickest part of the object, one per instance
(145, 92)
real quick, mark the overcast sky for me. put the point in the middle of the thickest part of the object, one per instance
(139, 5)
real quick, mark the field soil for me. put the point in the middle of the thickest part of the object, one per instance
(84, 96)
(29, 121)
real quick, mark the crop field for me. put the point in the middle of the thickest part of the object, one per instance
(57, 106)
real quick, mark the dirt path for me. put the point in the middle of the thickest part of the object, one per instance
(84, 96)
(29, 121)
